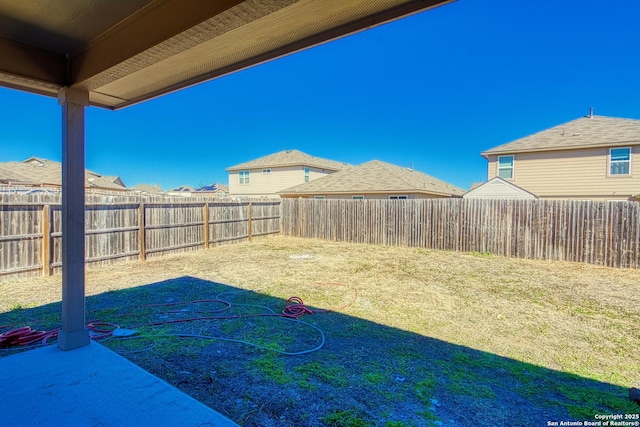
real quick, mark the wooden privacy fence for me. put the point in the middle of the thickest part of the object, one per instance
(119, 229)
(31, 233)
(602, 233)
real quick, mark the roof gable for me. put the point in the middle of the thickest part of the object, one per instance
(290, 158)
(585, 132)
(375, 177)
(498, 188)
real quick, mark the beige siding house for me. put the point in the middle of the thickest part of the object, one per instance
(266, 176)
(375, 180)
(590, 158)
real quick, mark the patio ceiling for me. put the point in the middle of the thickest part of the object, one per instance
(125, 52)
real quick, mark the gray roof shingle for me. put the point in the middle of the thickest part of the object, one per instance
(39, 171)
(147, 188)
(585, 132)
(376, 177)
(290, 158)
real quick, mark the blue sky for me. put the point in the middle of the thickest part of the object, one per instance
(432, 90)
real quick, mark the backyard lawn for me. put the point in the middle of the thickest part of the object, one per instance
(413, 337)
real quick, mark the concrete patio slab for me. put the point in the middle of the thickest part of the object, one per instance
(92, 386)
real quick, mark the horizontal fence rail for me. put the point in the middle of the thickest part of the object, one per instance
(119, 229)
(601, 233)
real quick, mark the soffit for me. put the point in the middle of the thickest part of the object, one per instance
(125, 52)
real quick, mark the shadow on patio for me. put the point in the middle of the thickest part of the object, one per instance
(364, 372)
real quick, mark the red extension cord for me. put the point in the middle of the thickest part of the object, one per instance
(25, 336)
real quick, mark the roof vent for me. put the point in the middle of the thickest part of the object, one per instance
(590, 112)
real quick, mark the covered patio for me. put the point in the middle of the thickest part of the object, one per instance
(92, 385)
(113, 55)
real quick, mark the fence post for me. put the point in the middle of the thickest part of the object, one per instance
(46, 241)
(212, 220)
(205, 218)
(249, 220)
(142, 244)
(281, 219)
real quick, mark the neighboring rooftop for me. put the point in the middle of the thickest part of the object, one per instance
(182, 189)
(291, 158)
(39, 172)
(585, 132)
(215, 187)
(147, 188)
(376, 177)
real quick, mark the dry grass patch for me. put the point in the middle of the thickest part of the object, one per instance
(432, 337)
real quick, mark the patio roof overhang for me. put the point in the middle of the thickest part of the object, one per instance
(123, 53)
(113, 54)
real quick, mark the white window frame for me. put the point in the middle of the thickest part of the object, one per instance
(399, 197)
(266, 171)
(357, 197)
(510, 168)
(614, 162)
(307, 174)
(243, 177)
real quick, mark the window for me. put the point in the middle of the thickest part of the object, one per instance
(620, 161)
(505, 167)
(398, 197)
(307, 174)
(318, 197)
(243, 177)
(357, 197)
(266, 171)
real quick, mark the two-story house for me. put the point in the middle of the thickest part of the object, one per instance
(266, 176)
(590, 158)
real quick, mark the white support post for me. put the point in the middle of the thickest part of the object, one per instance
(73, 333)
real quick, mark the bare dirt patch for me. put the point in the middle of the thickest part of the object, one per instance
(433, 338)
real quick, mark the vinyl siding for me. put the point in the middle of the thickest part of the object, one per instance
(573, 174)
(267, 185)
